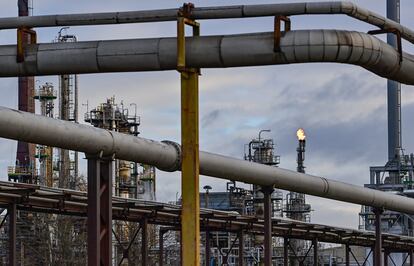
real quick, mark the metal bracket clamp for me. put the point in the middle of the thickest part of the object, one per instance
(21, 41)
(183, 19)
(277, 33)
(394, 31)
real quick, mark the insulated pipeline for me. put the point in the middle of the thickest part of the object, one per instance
(216, 12)
(38, 129)
(303, 46)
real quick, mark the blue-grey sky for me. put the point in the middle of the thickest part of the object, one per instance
(341, 107)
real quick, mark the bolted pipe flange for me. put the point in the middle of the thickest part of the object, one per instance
(176, 166)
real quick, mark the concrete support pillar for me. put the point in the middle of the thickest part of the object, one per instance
(99, 211)
(411, 258)
(12, 234)
(386, 254)
(268, 251)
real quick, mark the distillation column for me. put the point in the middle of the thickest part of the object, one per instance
(68, 111)
(267, 202)
(394, 98)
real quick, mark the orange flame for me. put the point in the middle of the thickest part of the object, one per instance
(300, 133)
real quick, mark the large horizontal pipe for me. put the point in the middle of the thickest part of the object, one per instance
(218, 12)
(33, 128)
(211, 52)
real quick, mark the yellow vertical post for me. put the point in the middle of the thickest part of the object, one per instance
(190, 215)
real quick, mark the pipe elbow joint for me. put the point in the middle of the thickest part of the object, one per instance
(348, 7)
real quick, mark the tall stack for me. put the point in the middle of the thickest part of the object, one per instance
(397, 175)
(296, 207)
(25, 162)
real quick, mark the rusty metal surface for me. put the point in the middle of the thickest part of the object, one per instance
(278, 32)
(25, 151)
(99, 211)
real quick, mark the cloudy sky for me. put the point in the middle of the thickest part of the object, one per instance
(341, 107)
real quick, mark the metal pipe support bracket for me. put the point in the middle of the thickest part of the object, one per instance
(397, 33)
(21, 42)
(183, 19)
(277, 30)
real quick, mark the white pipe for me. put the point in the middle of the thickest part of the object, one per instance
(211, 52)
(217, 12)
(38, 129)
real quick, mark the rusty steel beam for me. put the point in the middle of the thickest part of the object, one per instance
(99, 211)
(25, 151)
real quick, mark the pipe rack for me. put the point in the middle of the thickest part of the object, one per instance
(167, 155)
